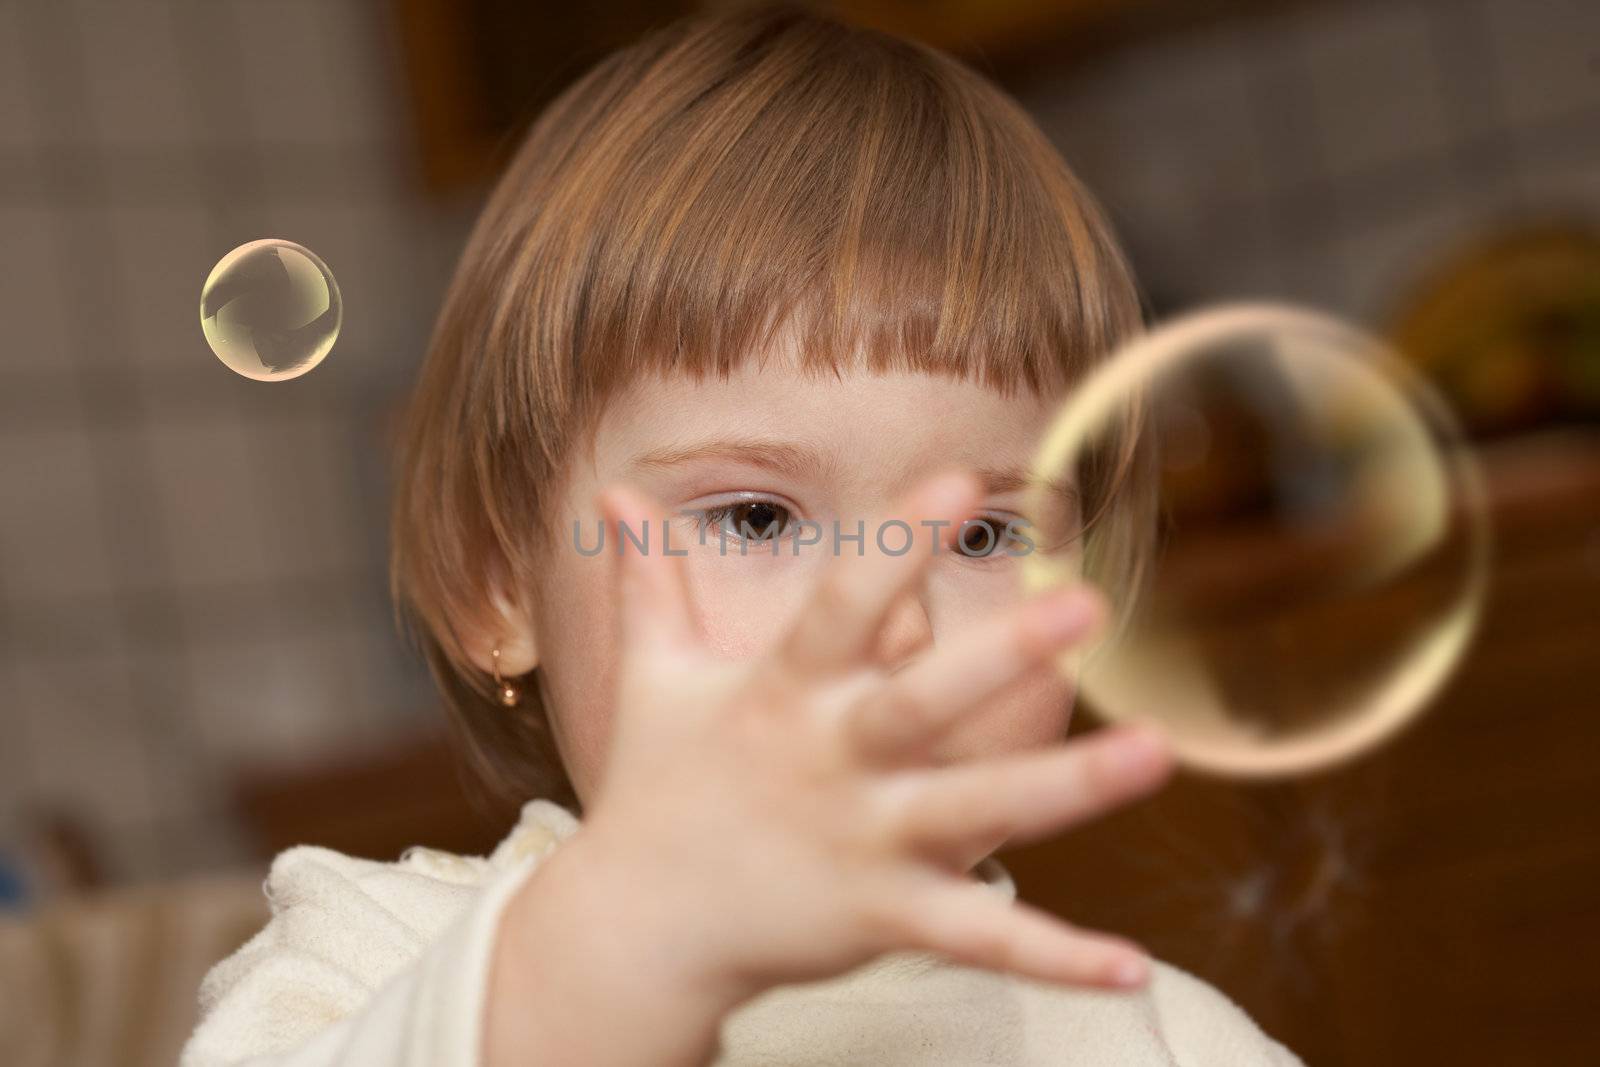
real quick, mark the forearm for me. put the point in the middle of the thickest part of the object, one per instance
(593, 969)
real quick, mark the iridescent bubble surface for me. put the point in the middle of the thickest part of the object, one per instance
(1315, 532)
(271, 310)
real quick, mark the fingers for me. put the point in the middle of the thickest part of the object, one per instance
(838, 623)
(974, 925)
(911, 710)
(1019, 798)
(653, 593)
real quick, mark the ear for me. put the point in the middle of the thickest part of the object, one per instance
(508, 626)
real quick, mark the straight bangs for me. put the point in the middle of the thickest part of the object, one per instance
(869, 196)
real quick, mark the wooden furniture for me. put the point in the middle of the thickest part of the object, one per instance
(374, 805)
(1437, 901)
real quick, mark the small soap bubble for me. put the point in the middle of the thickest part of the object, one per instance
(271, 310)
(1290, 529)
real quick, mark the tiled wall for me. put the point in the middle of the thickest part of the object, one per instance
(191, 564)
(1333, 152)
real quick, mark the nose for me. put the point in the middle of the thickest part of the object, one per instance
(906, 631)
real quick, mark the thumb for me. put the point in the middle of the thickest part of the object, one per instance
(652, 592)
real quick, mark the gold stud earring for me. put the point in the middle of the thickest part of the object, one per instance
(510, 696)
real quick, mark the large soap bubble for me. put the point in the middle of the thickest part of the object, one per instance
(1290, 528)
(271, 310)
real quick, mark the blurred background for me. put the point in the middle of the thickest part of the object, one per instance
(198, 665)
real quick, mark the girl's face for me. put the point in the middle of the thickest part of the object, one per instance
(774, 446)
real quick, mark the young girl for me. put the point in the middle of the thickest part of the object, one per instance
(705, 521)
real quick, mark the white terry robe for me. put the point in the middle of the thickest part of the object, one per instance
(371, 963)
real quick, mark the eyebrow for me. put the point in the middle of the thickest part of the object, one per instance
(799, 461)
(793, 460)
(1012, 479)
(1015, 479)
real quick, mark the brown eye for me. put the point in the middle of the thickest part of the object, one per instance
(752, 520)
(760, 521)
(980, 537)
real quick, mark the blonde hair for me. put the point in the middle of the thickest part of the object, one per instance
(726, 177)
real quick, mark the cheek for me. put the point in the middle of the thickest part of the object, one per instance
(579, 654)
(743, 606)
(1031, 712)
(1035, 709)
